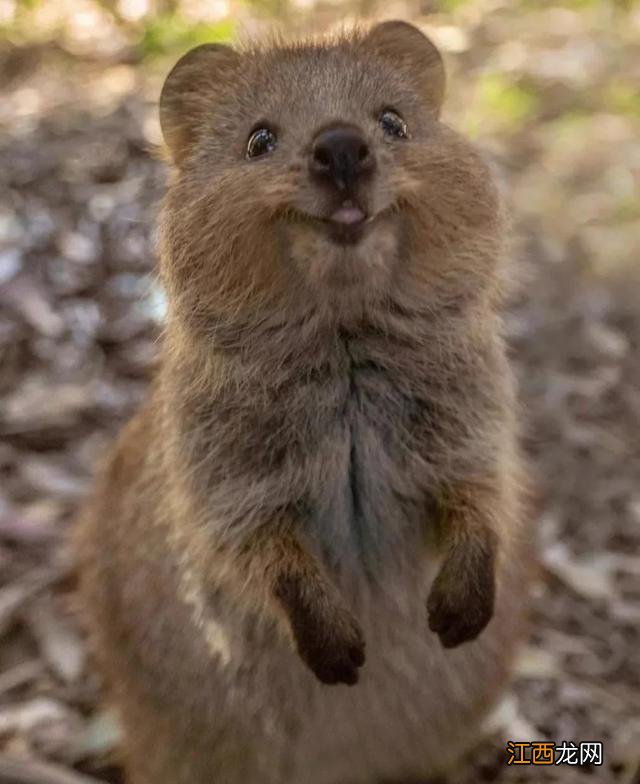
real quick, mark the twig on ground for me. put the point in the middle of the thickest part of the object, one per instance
(22, 771)
(20, 675)
(14, 597)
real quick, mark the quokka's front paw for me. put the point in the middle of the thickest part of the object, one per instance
(328, 638)
(462, 596)
(333, 651)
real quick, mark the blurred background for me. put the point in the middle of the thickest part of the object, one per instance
(551, 92)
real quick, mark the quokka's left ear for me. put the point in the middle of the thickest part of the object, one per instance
(189, 92)
(412, 51)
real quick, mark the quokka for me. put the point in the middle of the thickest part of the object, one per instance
(323, 489)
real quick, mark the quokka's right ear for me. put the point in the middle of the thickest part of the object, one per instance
(408, 48)
(188, 93)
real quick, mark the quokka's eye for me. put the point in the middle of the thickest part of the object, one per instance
(392, 124)
(261, 142)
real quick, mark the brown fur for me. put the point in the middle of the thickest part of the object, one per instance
(328, 455)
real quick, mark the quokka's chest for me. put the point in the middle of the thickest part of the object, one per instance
(353, 443)
(356, 452)
(321, 416)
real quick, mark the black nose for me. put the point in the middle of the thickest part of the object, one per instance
(341, 155)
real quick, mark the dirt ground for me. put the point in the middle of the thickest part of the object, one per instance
(548, 93)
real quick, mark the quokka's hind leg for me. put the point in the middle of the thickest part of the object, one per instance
(161, 749)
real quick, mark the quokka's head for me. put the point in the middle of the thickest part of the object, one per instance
(320, 173)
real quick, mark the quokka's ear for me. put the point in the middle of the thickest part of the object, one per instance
(404, 45)
(188, 92)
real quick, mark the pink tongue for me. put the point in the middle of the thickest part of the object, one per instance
(348, 215)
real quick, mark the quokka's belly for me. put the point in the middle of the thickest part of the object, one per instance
(261, 717)
(416, 707)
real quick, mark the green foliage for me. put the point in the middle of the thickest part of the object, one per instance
(575, 5)
(623, 98)
(627, 209)
(449, 6)
(501, 103)
(275, 8)
(509, 101)
(172, 32)
(570, 126)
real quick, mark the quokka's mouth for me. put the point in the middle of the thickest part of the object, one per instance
(349, 214)
(346, 225)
